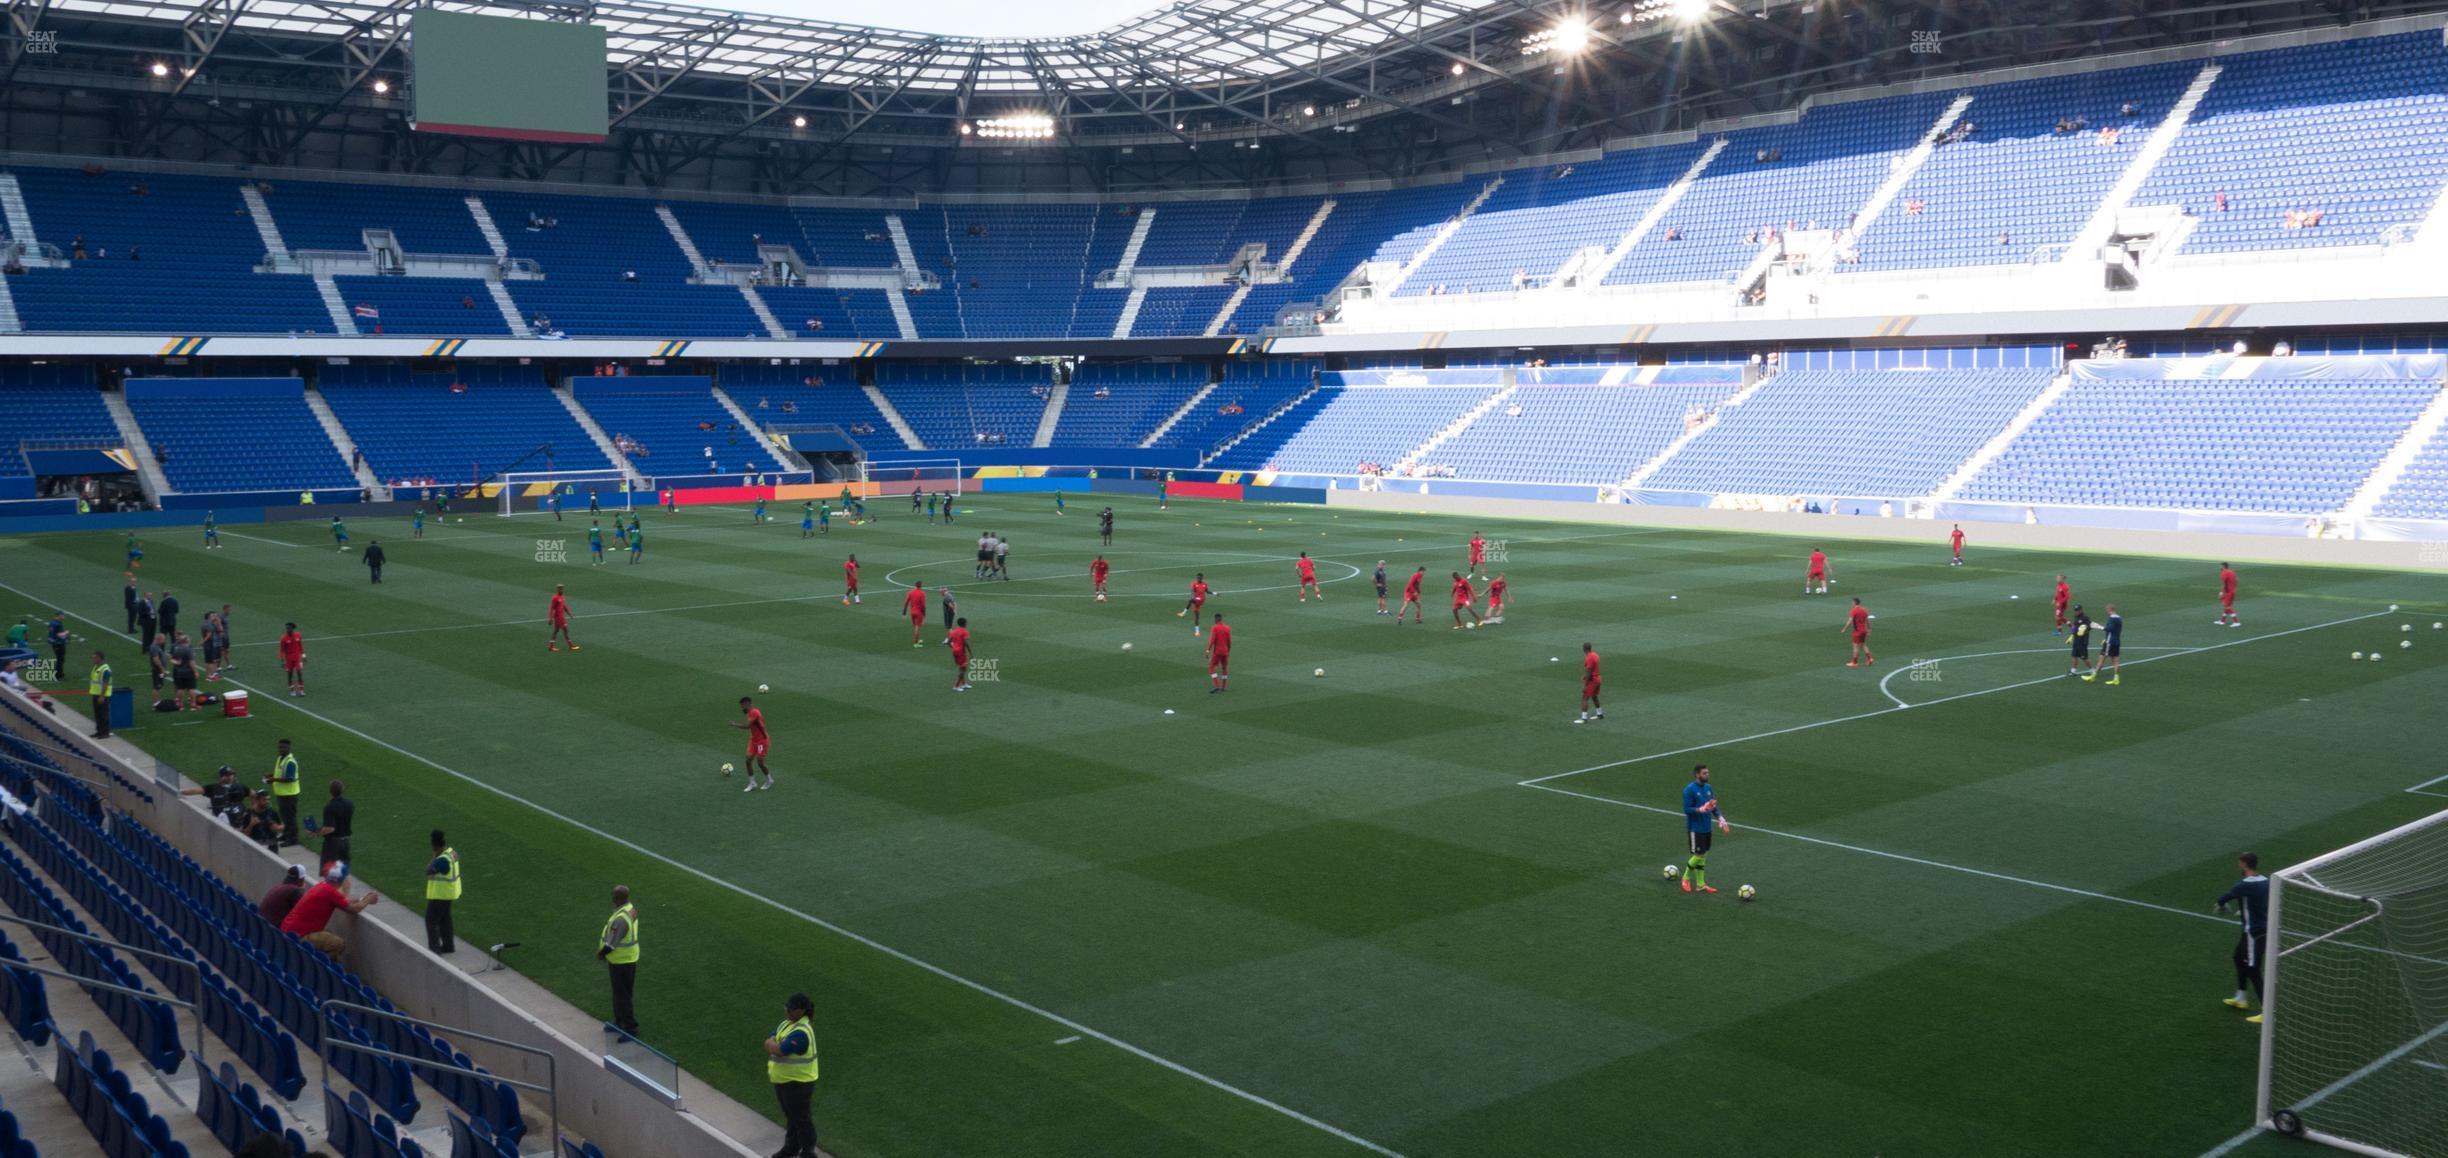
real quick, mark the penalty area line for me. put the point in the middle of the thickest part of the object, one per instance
(978, 987)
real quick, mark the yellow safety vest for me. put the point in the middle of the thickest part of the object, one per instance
(446, 886)
(99, 683)
(792, 1067)
(625, 952)
(285, 776)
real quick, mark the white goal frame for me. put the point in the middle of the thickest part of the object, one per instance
(614, 484)
(901, 476)
(2303, 878)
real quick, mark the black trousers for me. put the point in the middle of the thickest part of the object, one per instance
(439, 935)
(59, 663)
(101, 705)
(624, 990)
(288, 814)
(798, 1117)
(335, 848)
(2249, 953)
(377, 570)
(148, 629)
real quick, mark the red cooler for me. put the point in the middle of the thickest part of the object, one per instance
(234, 705)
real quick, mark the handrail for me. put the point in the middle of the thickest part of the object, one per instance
(140, 994)
(552, 1096)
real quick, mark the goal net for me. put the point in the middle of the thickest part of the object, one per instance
(931, 475)
(2354, 1044)
(535, 492)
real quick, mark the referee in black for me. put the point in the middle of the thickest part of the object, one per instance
(2251, 898)
(2080, 630)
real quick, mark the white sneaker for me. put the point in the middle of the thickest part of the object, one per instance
(751, 785)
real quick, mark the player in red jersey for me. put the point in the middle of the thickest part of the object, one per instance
(1818, 572)
(1857, 622)
(1096, 577)
(1463, 597)
(293, 659)
(1308, 579)
(1411, 598)
(1956, 540)
(2065, 598)
(959, 640)
(1198, 602)
(2227, 584)
(758, 744)
(558, 615)
(1219, 655)
(1589, 686)
(850, 591)
(1496, 599)
(1478, 553)
(915, 604)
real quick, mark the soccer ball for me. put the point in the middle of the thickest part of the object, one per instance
(2358, 655)
(1168, 711)
(460, 519)
(1126, 647)
(2405, 643)
(1319, 673)
(1471, 626)
(726, 769)
(2375, 657)
(1672, 871)
(1555, 659)
(2405, 627)
(1746, 892)
(763, 688)
(1100, 597)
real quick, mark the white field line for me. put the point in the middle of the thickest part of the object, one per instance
(2374, 1066)
(2423, 789)
(261, 539)
(869, 942)
(1899, 706)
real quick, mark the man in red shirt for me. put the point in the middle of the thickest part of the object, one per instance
(2227, 585)
(1956, 540)
(2065, 597)
(558, 616)
(314, 910)
(915, 604)
(1463, 597)
(1478, 552)
(1198, 603)
(1818, 572)
(959, 639)
(293, 659)
(1308, 578)
(1096, 577)
(1589, 686)
(1496, 599)
(850, 591)
(1858, 623)
(1219, 656)
(758, 744)
(1411, 598)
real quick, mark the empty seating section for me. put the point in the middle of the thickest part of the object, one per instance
(112, 1110)
(1012, 271)
(336, 214)
(50, 404)
(1824, 166)
(1135, 399)
(1539, 217)
(236, 434)
(2357, 130)
(1170, 311)
(1358, 424)
(1976, 197)
(1582, 434)
(1343, 241)
(439, 306)
(1211, 232)
(838, 238)
(951, 406)
(2422, 491)
(197, 273)
(1851, 433)
(810, 395)
(679, 423)
(413, 425)
(1246, 393)
(794, 306)
(2257, 445)
(596, 241)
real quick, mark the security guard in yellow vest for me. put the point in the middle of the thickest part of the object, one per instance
(791, 1067)
(620, 951)
(441, 888)
(98, 685)
(285, 785)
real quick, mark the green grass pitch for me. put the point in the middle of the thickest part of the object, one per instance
(1313, 916)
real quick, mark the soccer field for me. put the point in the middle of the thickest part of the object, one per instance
(1409, 907)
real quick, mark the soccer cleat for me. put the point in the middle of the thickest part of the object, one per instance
(1583, 718)
(1708, 888)
(2255, 1019)
(2112, 680)
(1687, 884)
(2089, 676)
(552, 647)
(1852, 663)
(751, 786)
(573, 647)
(1600, 715)
(2235, 1003)
(1179, 614)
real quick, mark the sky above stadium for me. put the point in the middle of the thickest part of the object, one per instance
(989, 18)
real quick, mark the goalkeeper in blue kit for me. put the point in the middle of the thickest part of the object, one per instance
(1700, 814)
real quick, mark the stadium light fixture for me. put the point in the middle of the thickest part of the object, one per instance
(1308, 110)
(1680, 11)
(1017, 127)
(381, 86)
(1457, 68)
(798, 121)
(160, 69)
(1567, 37)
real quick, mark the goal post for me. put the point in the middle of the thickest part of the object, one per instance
(533, 491)
(2354, 1038)
(906, 476)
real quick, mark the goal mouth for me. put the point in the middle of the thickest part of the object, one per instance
(922, 476)
(534, 492)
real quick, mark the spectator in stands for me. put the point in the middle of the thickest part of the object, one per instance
(1912, 207)
(619, 952)
(258, 821)
(814, 325)
(76, 249)
(467, 303)
(135, 253)
(338, 822)
(1674, 233)
(2218, 201)
(789, 407)
(2108, 136)
(284, 896)
(2127, 109)
(314, 910)
(629, 275)
(224, 798)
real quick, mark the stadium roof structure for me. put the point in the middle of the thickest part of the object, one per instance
(1203, 94)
